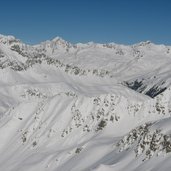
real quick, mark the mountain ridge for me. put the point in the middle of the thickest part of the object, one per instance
(58, 38)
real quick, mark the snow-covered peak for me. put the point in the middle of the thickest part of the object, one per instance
(8, 39)
(149, 45)
(6, 36)
(58, 39)
(55, 45)
(144, 43)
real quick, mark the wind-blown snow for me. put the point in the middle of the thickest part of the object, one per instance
(81, 107)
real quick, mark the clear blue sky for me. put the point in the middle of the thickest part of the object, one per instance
(120, 21)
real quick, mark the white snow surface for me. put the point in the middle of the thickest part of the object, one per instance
(68, 107)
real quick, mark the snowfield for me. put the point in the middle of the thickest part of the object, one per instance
(84, 107)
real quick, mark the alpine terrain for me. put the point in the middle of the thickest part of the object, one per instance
(84, 107)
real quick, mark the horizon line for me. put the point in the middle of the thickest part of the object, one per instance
(84, 42)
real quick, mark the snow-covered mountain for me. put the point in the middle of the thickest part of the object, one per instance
(82, 107)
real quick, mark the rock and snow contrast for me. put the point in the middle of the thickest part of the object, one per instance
(84, 107)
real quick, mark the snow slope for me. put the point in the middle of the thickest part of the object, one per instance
(81, 107)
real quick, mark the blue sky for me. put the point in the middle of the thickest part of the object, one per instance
(119, 21)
